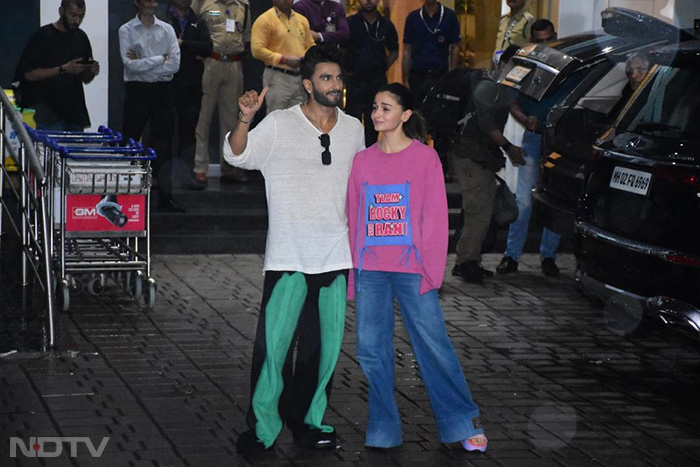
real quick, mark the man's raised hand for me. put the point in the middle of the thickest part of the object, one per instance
(250, 102)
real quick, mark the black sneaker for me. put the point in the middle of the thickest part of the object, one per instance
(508, 265)
(549, 267)
(485, 272)
(312, 438)
(168, 204)
(470, 271)
(249, 444)
(456, 271)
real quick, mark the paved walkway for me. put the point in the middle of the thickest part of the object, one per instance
(557, 387)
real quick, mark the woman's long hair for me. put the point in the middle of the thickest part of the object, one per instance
(415, 127)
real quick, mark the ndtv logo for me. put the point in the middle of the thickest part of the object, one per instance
(37, 446)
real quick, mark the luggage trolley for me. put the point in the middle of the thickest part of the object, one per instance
(101, 216)
(102, 138)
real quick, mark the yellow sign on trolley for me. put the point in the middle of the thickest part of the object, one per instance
(28, 118)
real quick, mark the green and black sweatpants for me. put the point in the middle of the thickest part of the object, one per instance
(297, 343)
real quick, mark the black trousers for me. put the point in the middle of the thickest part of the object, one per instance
(152, 104)
(360, 97)
(188, 102)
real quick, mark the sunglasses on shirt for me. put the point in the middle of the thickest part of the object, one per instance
(326, 154)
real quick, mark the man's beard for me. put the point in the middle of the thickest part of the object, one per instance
(325, 101)
(68, 26)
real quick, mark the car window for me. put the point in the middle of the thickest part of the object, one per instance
(603, 96)
(667, 107)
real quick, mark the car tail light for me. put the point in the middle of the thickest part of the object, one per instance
(681, 175)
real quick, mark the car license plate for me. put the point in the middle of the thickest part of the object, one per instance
(630, 180)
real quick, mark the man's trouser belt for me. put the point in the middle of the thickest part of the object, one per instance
(226, 57)
(284, 70)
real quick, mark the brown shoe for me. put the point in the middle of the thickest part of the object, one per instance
(236, 176)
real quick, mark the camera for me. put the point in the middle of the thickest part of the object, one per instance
(110, 210)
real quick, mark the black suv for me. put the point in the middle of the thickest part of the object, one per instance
(638, 225)
(596, 62)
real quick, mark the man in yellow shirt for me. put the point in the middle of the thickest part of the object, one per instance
(280, 38)
(513, 28)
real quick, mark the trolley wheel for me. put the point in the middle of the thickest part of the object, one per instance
(149, 296)
(63, 295)
(125, 282)
(96, 286)
(76, 285)
(136, 286)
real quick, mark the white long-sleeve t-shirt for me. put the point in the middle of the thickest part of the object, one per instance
(305, 199)
(151, 45)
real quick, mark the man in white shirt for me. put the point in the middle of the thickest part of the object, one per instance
(305, 153)
(151, 55)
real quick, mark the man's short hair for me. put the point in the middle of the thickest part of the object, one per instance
(319, 54)
(541, 24)
(65, 4)
(641, 56)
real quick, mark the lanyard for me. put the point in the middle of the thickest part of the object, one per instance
(374, 37)
(437, 28)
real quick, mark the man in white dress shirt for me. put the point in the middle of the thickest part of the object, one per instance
(151, 57)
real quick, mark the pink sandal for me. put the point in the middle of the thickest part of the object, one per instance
(475, 443)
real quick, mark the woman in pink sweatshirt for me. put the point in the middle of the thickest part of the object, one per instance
(397, 216)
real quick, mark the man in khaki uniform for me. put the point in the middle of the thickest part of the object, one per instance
(513, 28)
(230, 27)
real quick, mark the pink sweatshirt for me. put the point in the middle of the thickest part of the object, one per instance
(397, 214)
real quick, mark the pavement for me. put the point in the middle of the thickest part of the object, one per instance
(561, 380)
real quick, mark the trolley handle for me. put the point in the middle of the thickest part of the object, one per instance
(134, 148)
(116, 139)
(117, 154)
(104, 135)
(134, 153)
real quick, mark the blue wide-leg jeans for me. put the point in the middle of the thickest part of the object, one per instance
(455, 412)
(528, 176)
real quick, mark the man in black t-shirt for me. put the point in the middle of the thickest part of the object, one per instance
(56, 63)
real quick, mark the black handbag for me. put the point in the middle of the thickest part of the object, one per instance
(505, 208)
